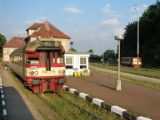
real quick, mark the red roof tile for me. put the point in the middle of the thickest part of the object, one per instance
(15, 42)
(46, 30)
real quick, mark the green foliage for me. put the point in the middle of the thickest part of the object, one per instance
(109, 54)
(2, 42)
(73, 50)
(149, 37)
(91, 51)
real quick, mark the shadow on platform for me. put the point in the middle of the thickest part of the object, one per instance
(16, 107)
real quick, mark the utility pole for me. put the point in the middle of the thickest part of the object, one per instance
(137, 8)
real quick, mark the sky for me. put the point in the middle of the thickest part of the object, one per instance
(91, 24)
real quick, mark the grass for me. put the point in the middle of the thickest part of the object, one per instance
(148, 72)
(134, 81)
(69, 111)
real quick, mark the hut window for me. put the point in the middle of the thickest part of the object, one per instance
(69, 61)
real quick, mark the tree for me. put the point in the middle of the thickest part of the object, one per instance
(149, 37)
(91, 51)
(2, 42)
(109, 54)
(73, 50)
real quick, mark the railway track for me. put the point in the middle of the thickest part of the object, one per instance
(64, 105)
(78, 108)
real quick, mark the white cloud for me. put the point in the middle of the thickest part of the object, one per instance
(119, 31)
(110, 22)
(72, 10)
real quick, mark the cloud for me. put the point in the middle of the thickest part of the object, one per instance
(110, 22)
(109, 11)
(144, 6)
(119, 31)
(73, 10)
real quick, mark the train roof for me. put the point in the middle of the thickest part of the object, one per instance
(17, 51)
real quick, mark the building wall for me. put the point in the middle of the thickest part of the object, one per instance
(6, 53)
(64, 42)
(30, 32)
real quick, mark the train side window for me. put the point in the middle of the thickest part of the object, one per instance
(32, 58)
(60, 59)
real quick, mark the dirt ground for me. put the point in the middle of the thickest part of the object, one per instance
(142, 100)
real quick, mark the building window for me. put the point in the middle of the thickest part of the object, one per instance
(69, 62)
(83, 62)
(8, 51)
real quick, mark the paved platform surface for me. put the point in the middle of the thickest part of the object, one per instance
(142, 100)
(19, 107)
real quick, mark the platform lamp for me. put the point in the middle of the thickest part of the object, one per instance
(118, 82)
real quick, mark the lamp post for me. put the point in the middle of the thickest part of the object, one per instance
(118, 82)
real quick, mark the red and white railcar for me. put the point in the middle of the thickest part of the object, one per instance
(40, 64)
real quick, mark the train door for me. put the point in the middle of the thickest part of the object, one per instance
(47, 59)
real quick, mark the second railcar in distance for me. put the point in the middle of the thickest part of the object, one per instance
(131, 61)
(41, 65)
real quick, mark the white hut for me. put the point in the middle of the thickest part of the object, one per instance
(77, 64)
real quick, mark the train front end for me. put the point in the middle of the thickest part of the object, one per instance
(44, 65)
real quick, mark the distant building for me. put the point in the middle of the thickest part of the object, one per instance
(11, 45)
(47, 31)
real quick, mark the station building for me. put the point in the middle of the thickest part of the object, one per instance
(11, 45)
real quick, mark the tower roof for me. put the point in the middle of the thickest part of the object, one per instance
(46, 30)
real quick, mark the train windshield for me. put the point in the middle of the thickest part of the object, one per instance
(60, 59)
(32, 58)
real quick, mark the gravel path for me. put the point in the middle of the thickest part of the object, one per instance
(19, 107)
(142, 100)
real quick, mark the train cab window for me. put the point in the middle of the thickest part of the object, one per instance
(60, 59)
(53, 57)
(32, 58)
